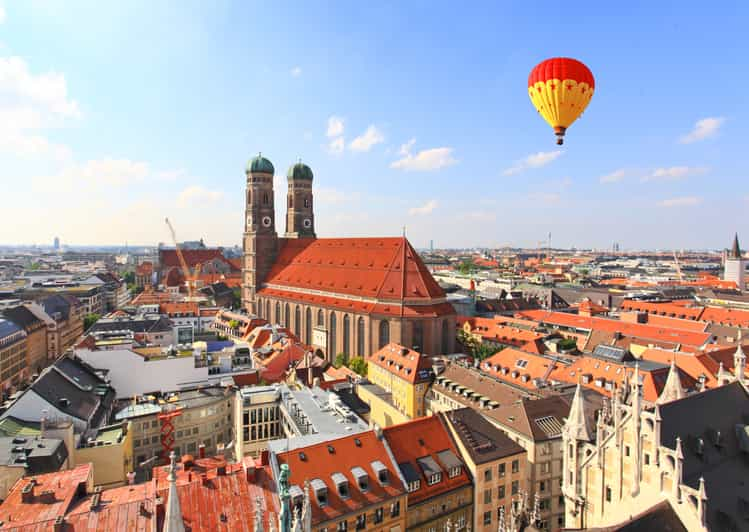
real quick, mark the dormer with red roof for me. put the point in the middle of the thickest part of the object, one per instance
(436, 477)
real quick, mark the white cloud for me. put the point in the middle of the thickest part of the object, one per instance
(337, 146)
(422, 210)
(114, 171)
(169, 175)
(369, 138)
(704, 128)
(684, 201)
(674, 173)
(613, 177)
(335, 127)
(405, 149)
(534, 160)
(48, 91)
(425, 160)
(296, 72)
(197, 194)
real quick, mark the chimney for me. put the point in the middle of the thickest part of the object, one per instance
(221, 468)
(59, 525)
(201, 450)
(27, 493)
(249, 469)
(47, 497)
(264, 457)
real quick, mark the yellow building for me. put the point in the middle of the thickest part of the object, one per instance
(405, 374)
(382, 410)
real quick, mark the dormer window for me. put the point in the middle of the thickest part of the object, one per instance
(321, 492)
(434, 479)
(341, 484)
(454, 472)
(362, 479)
(383, 475)
(413, 485)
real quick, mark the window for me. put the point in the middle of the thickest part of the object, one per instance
(608, 494)
(454, 472)
(487, 496)
(346, 348)
(418, 336)
(542, 486)
(320, 318)
(545, 467)
(333, 335)
(384, 333)
(502, 468)
(487, 518)
(515, 466)
(445, 337)
(306, 203)
(501, 492)
(361, 521)
(647, 459)
(342, 526)
(414, 485)
(488, 475)
(298, 322)
(560, 502)
(515, 487)
(378, 515)
(308, 327)
(359, 337)
(626, 450)
(544, 504)
(434, 479)
(395, 509)
(521, 363)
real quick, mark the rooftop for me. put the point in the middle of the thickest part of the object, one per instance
(483, 441)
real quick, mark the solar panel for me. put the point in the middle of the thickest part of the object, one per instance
(610, 352)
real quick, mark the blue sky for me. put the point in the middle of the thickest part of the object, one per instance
(114, 115)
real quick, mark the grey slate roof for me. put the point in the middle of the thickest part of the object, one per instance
(713, 417)
(484, 441)
(22, 317)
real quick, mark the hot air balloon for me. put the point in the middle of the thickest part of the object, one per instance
(560, 89)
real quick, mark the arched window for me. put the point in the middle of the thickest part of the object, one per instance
(320, 318)
(384, 333)
(298, 322)
(287, 317)
(417, 338)
(291, 203)
(308, 327)
(265, 198)
(306, 203)
(259, 303)
(445, 337)
(267, 310)
(332, 351)
(360, 337)
(346, 335)
(278, 313)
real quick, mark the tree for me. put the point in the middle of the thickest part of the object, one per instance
(359, 365)
(89, 320)
(340, 360)
(466, 267)
(567, 344)
(236, 298)
(233, 324)
(129, 278)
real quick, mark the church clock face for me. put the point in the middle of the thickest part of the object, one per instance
(266, 221)
(307, 223)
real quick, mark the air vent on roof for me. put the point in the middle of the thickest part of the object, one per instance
(357, 441)
(303, 457)
(421, 441)
(331, 449)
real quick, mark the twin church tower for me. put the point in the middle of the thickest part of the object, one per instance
(261, 242)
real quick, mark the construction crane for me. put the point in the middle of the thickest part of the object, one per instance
(678, 268)
(183, 263)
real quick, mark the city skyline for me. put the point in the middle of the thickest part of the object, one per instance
(116, 116)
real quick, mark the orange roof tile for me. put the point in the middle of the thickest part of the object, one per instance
(364, 267)
(402, 362)
(693, 364)
(322, 460)
(425, 437)
(636, 330)
(518, 367)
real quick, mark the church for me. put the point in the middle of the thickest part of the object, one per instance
(337, 295)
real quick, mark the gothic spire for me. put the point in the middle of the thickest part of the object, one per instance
(173, 518)
(673, 389)
(739, 360)
(735, 248)
(576, 425)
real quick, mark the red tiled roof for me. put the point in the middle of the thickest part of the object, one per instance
(518, 367)
(144, 268)
(402, 362)
(493, 330)
(181, 307)
(360, 307)
(419, 438)
(64, 485)
(274, 366)
(317, 462)
(168, 257)
(637, 330)
(693, 364)
(364, 267)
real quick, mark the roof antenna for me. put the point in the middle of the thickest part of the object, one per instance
(404, 231)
